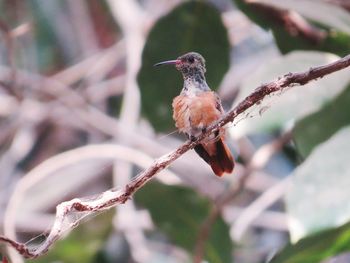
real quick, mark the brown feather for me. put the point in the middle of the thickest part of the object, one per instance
(217, 155)
(224, 156)
(211, 160)
(192, 115)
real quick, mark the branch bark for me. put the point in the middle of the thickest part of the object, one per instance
(112, 197)
(293, 23)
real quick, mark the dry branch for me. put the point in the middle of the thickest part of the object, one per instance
(112, 198)
(254, 210)
(293, 23)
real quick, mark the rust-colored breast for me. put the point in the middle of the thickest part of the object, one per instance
(180, 109)
(193, 113)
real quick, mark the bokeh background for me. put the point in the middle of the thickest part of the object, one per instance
(83, 110)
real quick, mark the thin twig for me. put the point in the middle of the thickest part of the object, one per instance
(83, 26)
(250, 213)
(10, 45)
(273, 220)
(124, 13)
(112, 198)
(94, 66)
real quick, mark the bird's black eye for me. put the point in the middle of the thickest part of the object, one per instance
(191, 59)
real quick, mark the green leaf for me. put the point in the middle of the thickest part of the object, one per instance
(82, 244)
(336, 42)
(334, 20)
(294, 103)
(49, 51)
(317, 247)
(192, 26)
(319, 126)
(319, 195)
(178, 212)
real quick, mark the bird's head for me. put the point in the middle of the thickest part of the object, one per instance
(191, 64)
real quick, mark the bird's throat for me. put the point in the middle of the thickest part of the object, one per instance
(194, 83)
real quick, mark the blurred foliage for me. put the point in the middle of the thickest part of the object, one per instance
(55, 52)
(180, 225)
(106, 28)
(319, 194)
(316, 247)
(318, 197)
(83, 243)
(192, 26)
(264, 15)
(332, 117)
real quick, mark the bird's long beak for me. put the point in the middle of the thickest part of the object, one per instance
(168, 62)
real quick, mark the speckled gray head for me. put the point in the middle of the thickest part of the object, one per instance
(191, 63)
(192, 67)
(188, 63)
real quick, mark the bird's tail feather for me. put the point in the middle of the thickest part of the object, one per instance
(221, 161)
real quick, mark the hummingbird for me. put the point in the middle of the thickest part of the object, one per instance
(196, 108)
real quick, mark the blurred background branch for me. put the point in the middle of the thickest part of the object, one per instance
(111, 198)
(78, 75)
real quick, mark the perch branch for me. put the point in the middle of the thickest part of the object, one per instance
(112, 198)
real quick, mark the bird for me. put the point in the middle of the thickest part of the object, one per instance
(196, 108)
